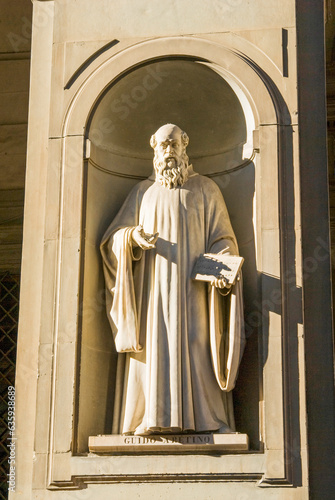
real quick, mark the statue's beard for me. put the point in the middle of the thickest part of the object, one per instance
(169, 176)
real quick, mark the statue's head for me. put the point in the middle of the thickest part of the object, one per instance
(170, 160)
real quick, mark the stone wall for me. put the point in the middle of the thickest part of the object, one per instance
(80, 167)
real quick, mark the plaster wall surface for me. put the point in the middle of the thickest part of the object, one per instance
(157, 19)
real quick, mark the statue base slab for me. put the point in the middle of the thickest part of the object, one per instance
(169, 443)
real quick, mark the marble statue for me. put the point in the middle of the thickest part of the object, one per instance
(183, 338)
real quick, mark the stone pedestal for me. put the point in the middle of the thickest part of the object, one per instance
(169, 443)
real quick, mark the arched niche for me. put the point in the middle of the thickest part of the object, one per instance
(82, 203)
(208, 104)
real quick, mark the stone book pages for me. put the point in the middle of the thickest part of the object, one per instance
(210, 266)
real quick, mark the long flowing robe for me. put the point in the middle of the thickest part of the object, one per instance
(183, 339)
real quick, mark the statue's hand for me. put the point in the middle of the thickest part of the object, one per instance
(142, 239)
(221, 283)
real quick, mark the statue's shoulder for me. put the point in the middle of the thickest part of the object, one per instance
(141, 186)
(207, 185)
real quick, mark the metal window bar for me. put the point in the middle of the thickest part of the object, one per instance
(9, 312)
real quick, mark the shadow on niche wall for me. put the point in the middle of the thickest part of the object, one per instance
(238, 189)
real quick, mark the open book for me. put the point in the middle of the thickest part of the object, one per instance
(210, 266)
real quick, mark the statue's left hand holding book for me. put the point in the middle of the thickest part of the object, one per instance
(210, 267)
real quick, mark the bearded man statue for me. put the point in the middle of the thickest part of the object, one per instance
(183, 339)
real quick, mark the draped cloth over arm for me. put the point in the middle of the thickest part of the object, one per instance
(226, 337)
(123, 306)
